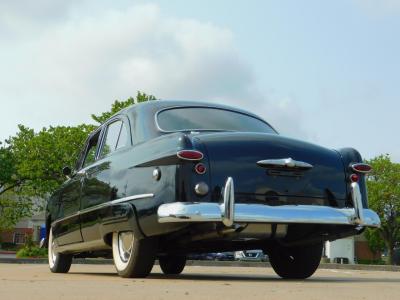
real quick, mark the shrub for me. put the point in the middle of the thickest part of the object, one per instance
(31, 250)
(371, 262)
(8, 246)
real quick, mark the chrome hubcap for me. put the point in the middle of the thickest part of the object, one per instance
(125, 243)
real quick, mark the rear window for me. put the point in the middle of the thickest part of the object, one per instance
(204, 118)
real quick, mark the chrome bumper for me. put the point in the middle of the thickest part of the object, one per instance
(229, 213)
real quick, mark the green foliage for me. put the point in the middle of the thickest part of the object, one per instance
(30, 250)
(119, 105)
(7, 166)
(375, 242)
(41, 156)
(32, 164)
(371, 261)
(8, 246)
(12, 210)
(384, 198)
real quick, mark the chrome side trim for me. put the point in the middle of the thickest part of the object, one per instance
(284, 163)
(134, 197)
(102, 205)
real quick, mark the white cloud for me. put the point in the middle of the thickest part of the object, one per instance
(60, 70)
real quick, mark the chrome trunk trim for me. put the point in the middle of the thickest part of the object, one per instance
(284, 163)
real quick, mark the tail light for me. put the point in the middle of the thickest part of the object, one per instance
(200, 168)
(361, 168)
(190, 155)
(354, 177)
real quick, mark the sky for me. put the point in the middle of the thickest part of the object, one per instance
(322, 71)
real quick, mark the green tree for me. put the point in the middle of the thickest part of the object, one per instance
(384, 198)
(8, 178)
(375, 242)
(31, 167)
(39, 157)
(119, 105)
(12, 208)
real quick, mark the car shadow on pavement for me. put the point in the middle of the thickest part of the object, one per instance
(249, 277)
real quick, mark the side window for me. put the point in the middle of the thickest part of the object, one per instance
(116, 137)
(91, 151)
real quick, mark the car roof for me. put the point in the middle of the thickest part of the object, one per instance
(162, 104)
(147, 110)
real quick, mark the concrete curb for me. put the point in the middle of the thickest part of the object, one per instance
(205, 263)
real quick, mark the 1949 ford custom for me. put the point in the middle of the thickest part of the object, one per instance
(164, 179)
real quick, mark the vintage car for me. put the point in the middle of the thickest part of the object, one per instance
(164, 179)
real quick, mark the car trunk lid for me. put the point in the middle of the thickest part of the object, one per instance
(270, 165)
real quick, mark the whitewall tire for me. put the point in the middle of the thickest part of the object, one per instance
(133, 257)
(58, 263)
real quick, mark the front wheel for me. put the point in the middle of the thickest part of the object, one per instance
(58, 262)
(298, 262)
(172, 264)
(133, 258)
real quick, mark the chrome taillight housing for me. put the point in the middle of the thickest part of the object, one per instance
(193, 155)
(361, 168)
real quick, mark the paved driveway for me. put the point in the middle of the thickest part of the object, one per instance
(101, 282)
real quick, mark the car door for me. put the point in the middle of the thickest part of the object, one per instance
(67, 228)
(98, 187)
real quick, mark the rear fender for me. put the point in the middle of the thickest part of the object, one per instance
(349, 156)
(121, 217)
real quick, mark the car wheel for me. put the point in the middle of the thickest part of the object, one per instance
(58, 263)
(172, 264)
(133, 257)
(298, 262)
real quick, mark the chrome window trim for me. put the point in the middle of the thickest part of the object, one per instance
(104, 137)
(205, 106)
(102, 205)
(125, 125)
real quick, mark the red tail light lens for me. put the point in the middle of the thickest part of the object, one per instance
(361, 168)
(190, 155)
(200, 168)
(354, 177)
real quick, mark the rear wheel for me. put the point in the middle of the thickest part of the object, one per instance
(133, 257)
(58, 262)
(298, 262)
(172, 264)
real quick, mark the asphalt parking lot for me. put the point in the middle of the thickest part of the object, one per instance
(29, 281)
